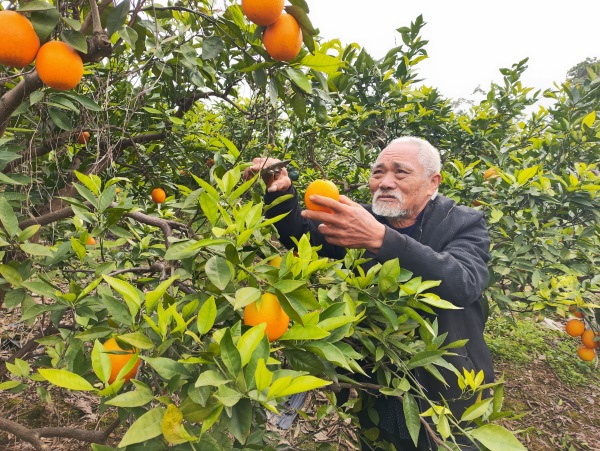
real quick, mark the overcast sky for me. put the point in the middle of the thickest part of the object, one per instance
(469, 40)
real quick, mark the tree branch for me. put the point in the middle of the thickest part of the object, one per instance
(33, 436)
(11, 100)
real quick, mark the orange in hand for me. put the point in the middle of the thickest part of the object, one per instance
(118, 361)
(158, 195)
(283, 39)
(324, 188)
(269, 311)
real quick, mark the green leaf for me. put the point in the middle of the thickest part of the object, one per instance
(152, 297)
(526, 174)
(388, 276)
(328, 352)
(207, 315)
(75, 39)
(36, 249)
(497, 438)
(476, 410)
(230, 355)
(60, 119)
(11, 275)
(249, 342)
(101, 363)
(219, 271)
(89, 182)
(36, 5)
(411, 414)
(302, 18)
(83, 100)
(138, 340)
(241, 420)
(212, 47)
(167, 368)
(106, 198)
(137, 398)
(228, 396)
(145, 428)
(117, 17)
(43, 21)
(301, 4)
(299, 332)
(423, 358)
(186, 249)
(322, 62)
(211, 378)
(28, 233)
(129, 293)
(589, 120)
(300, 79)
(303, 384)
(128, 34)
(66, 379)
(245, 296)
(8, 218)
(262, 375)
(172, 426)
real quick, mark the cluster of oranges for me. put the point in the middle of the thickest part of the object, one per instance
(57, 63)
(576, 328)
(282, 37)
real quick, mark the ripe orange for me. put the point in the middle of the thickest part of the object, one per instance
(574, 327)
(18, 42)
(575, 312)
(59, 65)
(586, 354)
(283, 39)
(276, 262)
(118, 190)
(490, 173)
(322, 188)
(158, 195)
(262, 12)
(91, 241)
(269, 311)
(587, 338)
(83, 138)
(118, 361)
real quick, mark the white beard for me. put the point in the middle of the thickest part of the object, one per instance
(389, 211)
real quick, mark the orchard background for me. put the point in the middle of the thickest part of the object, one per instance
(180, 97)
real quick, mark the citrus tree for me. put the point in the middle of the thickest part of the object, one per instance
(131, 242)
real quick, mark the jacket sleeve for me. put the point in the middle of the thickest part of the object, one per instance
(294, 225)
(461, 264)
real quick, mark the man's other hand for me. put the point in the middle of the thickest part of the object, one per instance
(349, 226)
(279, 181)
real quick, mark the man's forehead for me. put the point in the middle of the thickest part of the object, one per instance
(399, 153)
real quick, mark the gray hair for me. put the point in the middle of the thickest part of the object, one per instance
(429, 156)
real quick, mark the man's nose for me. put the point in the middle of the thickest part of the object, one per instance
(387, 182)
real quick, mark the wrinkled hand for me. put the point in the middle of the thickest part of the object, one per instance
(350, 225)
(275, 182)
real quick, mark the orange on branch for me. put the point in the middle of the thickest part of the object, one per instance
(59, 65)
(283, 39)
(118, 361)
(587, 338)
(158, 195)
(574, 327)
(268, 310)
(276, 261)
(324, 188)
(83, 138)
(19, 44)
(90, 241)
(490, 173)
(586, 354)
(262, 12)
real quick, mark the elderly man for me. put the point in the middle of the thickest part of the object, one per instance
(430, 234)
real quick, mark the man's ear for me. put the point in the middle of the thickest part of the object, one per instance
(435, 180)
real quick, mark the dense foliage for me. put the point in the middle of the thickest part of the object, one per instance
(183, 99)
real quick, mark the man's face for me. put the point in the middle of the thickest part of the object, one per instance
(398, 184)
